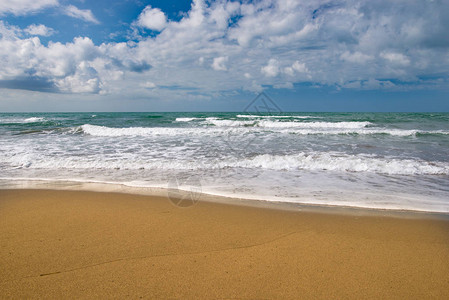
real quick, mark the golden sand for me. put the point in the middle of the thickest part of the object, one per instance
(58, 244)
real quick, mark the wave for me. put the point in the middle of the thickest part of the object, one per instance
(276, 117)
(104, 131)
(229, 123)
(96, 130)
(185, 119)
(271, 124)
(342, 128)
(345, 163)
(34, 120)
(22, 121)
(312, 161)
(377, 131)
(276, 124)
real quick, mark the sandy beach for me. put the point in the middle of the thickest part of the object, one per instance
(89, 244)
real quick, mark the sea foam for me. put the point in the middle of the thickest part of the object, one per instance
(242, 127)
(21, 121)
(311, 161)
(344, 163)
(276, 117)
(185, 119)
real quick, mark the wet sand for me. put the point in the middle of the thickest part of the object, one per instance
(82, 244)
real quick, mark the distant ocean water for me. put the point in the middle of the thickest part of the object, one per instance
(375, 160)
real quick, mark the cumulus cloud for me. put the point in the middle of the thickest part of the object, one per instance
(82, 14)
(356, 57)
(271, 69)
(23, 7)
(152, 18)
(296, 67)
(270, 43)
(76, 67)
(66, 66)
(219, 63)
(40, 29)
(83, 80)
(395, 58)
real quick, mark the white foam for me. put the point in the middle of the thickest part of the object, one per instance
(229, 123)
(242, 127)
(21, 121)
(276, 117)
(322, 125)
(33, 120)
(312, 161)
(97, 163)
(277, 124)
(361, 131)
(344, 163)
(104, 131)
(186, 119)
(366, 131)
(116, 132)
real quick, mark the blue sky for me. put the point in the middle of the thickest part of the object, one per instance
(61, 55)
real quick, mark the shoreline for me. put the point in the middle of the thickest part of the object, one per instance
(163, 191)
(102, 244)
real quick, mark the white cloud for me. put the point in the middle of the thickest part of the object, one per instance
(276, 43)
(40, 29)
(8, 32)
(149, 85)
(152, 18)
(219, 63)
(296, 67)
(395, 58)
(76, 67)
(23, 7)
(83, 80)
(356, 57)
(82, 14)
(271, 69)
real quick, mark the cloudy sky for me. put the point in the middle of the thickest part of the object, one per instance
(181, 55)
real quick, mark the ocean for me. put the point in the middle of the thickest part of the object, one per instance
(371, 160)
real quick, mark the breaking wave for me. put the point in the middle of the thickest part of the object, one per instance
(345, 163)
(275, 124)
(22, 121)
(311, 128)
(311, 161)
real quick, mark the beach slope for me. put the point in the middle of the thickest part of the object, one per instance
(91, 244)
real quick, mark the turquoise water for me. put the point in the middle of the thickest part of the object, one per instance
(378, 160)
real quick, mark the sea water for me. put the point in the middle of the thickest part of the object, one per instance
(374, 160)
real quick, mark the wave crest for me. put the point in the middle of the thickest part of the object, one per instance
(345, 163)
(318, 128)
(276, 124)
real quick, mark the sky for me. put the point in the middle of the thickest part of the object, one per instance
(180, 55)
